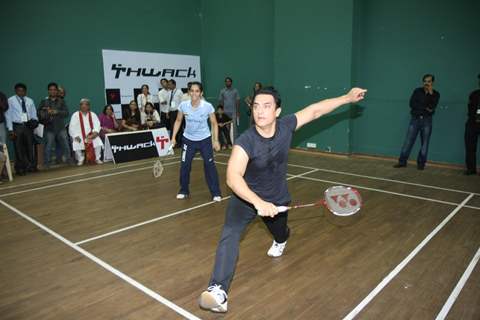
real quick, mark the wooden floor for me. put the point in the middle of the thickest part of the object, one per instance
(111, 242)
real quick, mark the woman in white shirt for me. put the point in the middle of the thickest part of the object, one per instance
(150, 117)
(144, 97)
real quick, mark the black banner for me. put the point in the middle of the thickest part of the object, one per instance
(131, 147)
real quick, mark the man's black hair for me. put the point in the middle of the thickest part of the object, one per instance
(270, 91)
(20, 85)
(429, 75)
(52, 84)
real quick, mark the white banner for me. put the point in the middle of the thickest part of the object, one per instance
(126, 71)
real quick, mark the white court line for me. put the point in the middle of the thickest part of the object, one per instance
(389, 192)
(456, 291)
(386, 179)
(81, 180)
(376, 178)
(224, 163)
(166, 216)
(404, 262)
(105, 265)
(147, 222)
(82, 174)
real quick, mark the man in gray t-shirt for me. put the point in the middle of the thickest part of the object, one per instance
(229, 98)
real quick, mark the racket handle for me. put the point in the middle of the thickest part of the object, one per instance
(280, 209)
(170, 150)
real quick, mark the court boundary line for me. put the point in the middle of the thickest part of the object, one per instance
(376, 178)
(168, 215)
(391, 192)
(133, 226)
(149, 292)
(458, 288)
(392, 274)
(81, 180)
(224, 163)
(378, 190)
(391, 180)
(170, 304)
(84, 173)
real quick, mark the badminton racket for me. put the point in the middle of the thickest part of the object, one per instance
(339, 200)
(157, 169)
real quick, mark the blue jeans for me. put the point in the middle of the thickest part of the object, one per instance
(422, 125)
(51, 138)
(189, 148)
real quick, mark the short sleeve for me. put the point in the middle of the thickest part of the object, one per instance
(245, 141)
(290, 122)
(181, 107)
(211, 109)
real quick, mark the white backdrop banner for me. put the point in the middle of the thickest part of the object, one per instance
(126, 71)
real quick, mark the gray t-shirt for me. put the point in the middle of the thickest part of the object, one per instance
(228, 98)
(266, 172)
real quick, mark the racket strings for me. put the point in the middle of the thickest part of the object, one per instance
(157, 169)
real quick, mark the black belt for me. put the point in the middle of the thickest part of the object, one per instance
(421, 116)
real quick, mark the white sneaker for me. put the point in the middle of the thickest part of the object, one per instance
(181, 196)
(217, 198)
(80, 163)
(98, 161)
(214, 299)
(276, 250)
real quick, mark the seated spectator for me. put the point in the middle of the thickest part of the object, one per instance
(223, 128)
(150, 118)
(84, 129)
(108, 123)
(131, 120)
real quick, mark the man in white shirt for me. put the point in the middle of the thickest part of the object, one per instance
(186, 94)
(84, 128)
(163, 99)
(175, 100)
(21, 118)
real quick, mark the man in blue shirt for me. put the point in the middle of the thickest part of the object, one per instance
(21, 119)
(256, 173)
